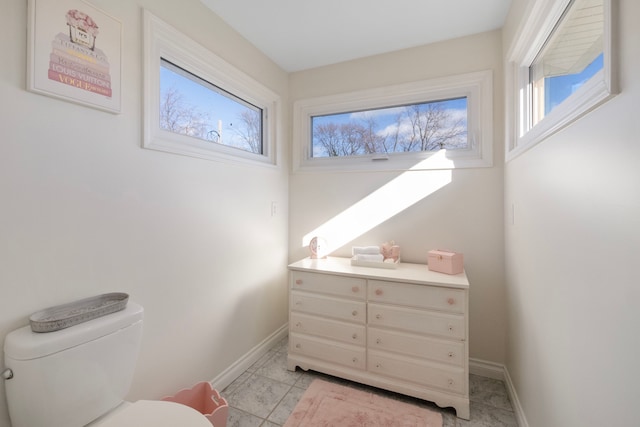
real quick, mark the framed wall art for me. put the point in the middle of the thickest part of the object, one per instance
(74, 53)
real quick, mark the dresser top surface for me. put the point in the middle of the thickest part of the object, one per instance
(405, 272)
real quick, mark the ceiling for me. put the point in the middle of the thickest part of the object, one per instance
(300, 34)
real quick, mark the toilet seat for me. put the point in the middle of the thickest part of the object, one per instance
(154, 413)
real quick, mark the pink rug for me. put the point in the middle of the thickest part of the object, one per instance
(325, 404)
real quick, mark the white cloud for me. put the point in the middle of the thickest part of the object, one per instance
(383, 112)
(404, 127)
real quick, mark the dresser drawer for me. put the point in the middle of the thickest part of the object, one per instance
(333, 329)
(336, 308)
(329, 351)
(419, 321)
(445, 377)
(329, 284)
(423, 296)
(439, 350)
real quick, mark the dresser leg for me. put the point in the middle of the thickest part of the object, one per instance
(463, 412)
(291, 365)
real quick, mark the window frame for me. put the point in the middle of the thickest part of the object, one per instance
(162, 41)
(477, 87)
(521, 133)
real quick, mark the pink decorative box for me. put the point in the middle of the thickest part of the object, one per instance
(445, 261)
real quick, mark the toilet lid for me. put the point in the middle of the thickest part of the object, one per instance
(155, 413)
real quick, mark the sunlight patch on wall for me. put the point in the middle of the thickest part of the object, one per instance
(384, 203)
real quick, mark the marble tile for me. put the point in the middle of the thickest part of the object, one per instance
(307, 377)
(282, 346)
(266, 394)
(258, 395)
(239, 418)
(488, 416)
(261, 361)
(489, 392)
(276, 369)
(286, 406)
(235, 384)
(448, 419)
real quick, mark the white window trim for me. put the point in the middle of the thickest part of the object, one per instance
(477, 87)
(163, 41)
(521, 135)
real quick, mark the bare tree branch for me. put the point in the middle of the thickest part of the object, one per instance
(179, 117)
(249, 130)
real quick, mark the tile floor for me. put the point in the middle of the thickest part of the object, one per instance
(267, 392)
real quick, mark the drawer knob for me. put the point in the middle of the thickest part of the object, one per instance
(299, 282)
(355, 336)
(298, 325)
(451, 354)
(378, 341)
(378, 316)
(378, 365)
(450, 382)
(379, 292)
(298, 346)
(355, 312)
(451, 301)
(355, 360)
(355, 289)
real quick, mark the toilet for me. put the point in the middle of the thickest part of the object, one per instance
(79, 376)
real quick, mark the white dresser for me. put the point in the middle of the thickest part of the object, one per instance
(403, 329)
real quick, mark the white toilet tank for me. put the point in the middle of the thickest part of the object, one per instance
(70, 377)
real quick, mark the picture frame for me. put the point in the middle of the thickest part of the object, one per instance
(74, 53)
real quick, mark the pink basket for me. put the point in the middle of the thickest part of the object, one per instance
(204, 399)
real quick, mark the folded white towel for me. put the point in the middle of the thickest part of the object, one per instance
(362, 250)
(370, 257)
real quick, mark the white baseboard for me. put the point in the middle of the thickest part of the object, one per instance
(487, 369)
(498, 371)
(241, 365)
(515, 402)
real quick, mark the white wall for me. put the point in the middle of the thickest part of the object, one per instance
(465, 215)
(572, 256)
(85, 210)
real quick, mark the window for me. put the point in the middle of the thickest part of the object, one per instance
(552, 88)
(398, 127)
(560, 68)
(194, 107)
(196, 104)
(427, 126)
